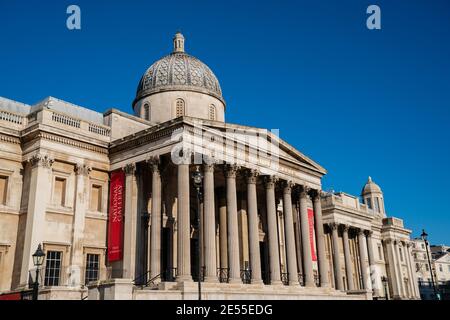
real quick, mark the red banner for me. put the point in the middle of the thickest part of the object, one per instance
(311, 233)
(115, 226)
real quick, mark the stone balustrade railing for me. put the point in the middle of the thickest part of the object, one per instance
(55, 119)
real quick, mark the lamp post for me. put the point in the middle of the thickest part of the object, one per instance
(424, 237)
(197, 178)
(385, 280)
(38, 260)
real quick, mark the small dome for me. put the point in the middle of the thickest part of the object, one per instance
(371, 187)
(178, 71)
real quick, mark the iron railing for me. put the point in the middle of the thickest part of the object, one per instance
(223, 274)
(246, 276)
(285, 278)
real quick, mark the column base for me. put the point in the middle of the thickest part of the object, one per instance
(211, 279)
(310, 284)
(276, 283)
(294, 284)
(257, 281)
(184, 278)
(235, 280)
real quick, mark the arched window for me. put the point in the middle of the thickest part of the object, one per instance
(146, 112)
(212, 112)
(179, 108)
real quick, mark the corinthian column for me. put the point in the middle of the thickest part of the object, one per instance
(306, 241)
(38, 198)
(372, 266)
(209, 224)
(252, 203)
(82, 175)
(320, 241)
(363, 260)
(336, 257)
(347, 259)
(274, 253)
(290, 235)
(129, 239)
(233, 234)
(155, 232)
(184, 227)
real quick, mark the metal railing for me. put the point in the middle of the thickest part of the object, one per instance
(246, 276)
(144, 280)
(223, 274)
(285, 278)
(301, 279)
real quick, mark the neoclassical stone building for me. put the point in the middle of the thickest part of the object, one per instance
(111, 199)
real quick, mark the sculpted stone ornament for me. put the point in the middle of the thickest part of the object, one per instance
(231, 170)
(154, 163)
(82, 169)
(41, 160)
(270, 181)
(304, 192)
(252, 176)
(345, 227)
(333, 226)
(130, 169)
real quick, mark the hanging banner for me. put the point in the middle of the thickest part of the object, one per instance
(311, 233)
(115, 225)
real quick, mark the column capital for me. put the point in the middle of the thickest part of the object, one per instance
(208, 167)
(287, 186)
(316, 194)
(82, 169)
(369, 233)
(361, 231)
(345, 227)
(252, 176)
(130, 169)
(154, 163)
(40, 160)
(304, 191)
(333, 226)
(231, 170)
(270, 181)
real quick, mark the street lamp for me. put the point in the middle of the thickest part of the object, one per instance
(385, 280)
(197, 179)
(38, 260)
(424, 237)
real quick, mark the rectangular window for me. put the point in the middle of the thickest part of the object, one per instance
(53, 268)
(59, 192)
(401, 254)
(96, 198)
(440, 268)
(3, 189)
(369, 203)
(92, 267)
(380, 252)
(377, 204)
(427, 268)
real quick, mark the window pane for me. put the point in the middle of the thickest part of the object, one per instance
(92, 268)
(52, 268)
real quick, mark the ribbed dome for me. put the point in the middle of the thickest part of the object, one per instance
(371, 187)
(178, 71)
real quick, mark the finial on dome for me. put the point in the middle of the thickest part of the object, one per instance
(370, 179)
(178, 42)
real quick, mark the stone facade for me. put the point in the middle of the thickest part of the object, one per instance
(267, 230)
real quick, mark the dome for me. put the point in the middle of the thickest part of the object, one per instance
(178, 71)
(371, 187)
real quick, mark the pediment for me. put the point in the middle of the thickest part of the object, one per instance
(245, 139)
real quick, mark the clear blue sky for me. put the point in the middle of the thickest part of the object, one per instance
(359, 102)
